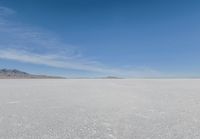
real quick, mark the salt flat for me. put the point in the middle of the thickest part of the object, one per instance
(100, 109)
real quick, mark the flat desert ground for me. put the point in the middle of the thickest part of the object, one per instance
(100, 109)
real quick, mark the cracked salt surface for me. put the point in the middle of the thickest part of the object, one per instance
(100, 109)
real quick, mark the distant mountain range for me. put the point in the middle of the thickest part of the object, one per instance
(17, 74)
(112, 77)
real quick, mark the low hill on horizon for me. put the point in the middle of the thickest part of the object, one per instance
(17, 74)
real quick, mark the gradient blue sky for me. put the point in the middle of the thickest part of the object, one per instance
(138, 38)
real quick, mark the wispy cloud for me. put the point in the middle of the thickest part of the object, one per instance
(29, 44)
(52, 60)
(75, 64)
(4, 11)
(20, 36)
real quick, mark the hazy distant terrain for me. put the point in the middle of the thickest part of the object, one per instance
(100, 109)
(17, 74)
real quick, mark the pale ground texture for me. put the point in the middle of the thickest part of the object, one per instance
(100, 109)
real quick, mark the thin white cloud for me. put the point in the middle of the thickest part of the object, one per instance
(50, 60)
(69, 63)
(4, 11)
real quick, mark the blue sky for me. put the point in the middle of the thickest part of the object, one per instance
(138, 38)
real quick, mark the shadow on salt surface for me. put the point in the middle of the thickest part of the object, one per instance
(13, 102)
